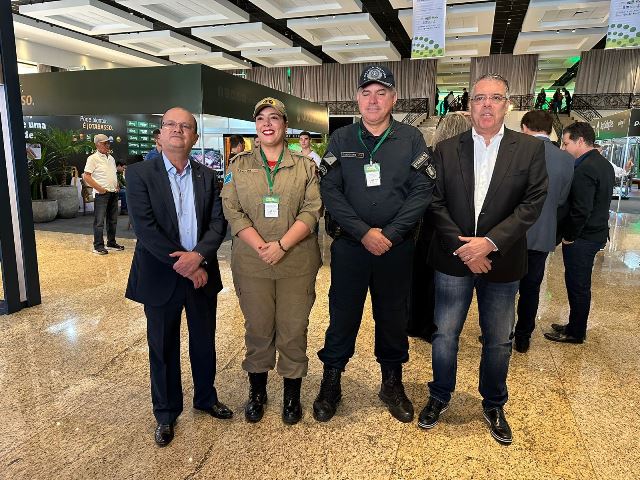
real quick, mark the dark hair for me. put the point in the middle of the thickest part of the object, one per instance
(236, 140)
(304, 132)
(120, 163)
(538, 121)
(581, 130)
(156, 132)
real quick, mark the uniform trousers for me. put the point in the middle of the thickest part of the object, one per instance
(163, 336)
(354, 271)
(276, 318)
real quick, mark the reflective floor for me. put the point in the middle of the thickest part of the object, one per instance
(74, 383)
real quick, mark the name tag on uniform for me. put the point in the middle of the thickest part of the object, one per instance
(372, 174)
(271, 204)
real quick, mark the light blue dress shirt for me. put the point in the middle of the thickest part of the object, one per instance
(184, 200)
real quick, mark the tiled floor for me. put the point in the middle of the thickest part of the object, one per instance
(74, 383)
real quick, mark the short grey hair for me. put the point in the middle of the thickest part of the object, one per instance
(492, 76)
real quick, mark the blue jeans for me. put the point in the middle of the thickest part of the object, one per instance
(578, 263)
(496, 305)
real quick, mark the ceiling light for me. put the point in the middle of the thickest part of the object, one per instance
(573, 31)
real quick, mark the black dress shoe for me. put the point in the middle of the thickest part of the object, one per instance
(498, 425)
(559, 328)
(431, 413)
(163, 434)
(218, 410)
(562, 338)
(521, 344)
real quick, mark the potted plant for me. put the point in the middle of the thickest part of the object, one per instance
(41, 170)
(60, 146)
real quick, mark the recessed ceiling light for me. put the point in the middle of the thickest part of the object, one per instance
(573, 31)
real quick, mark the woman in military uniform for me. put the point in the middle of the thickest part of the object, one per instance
(271, 199)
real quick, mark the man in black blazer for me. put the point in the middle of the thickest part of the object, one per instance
(584, 229)
(177, 216)
(490, 188)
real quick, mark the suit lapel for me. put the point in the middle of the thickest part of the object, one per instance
(465, 156)
(167, 196)
(503, 161)
(197, 176)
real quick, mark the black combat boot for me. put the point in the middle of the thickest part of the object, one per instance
(291, 408)
(254, 410)
(392, 394)
(324, 407)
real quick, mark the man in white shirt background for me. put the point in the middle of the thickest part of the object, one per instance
(100, 174)
(305, 144)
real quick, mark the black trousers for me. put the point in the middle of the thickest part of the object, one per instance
(105, 205)
(423, 296)
(354, 271)
(163, 336)
(530, 293)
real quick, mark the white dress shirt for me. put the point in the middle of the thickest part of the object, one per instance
(484, 161)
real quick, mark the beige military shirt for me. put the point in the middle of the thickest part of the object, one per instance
(296, 183)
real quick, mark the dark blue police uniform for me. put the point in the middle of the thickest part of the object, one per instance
(395, 206)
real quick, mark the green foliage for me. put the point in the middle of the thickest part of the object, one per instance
(40, 170)
(60, 146)
(321, 148)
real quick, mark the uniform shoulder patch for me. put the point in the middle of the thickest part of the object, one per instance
(423, 164)
(228, 177)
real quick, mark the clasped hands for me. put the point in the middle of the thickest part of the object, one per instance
(474, 253)
(375, 242)
(189, 266)
(270, 252)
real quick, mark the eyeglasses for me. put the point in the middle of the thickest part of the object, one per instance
(495, 99)
(187, 127)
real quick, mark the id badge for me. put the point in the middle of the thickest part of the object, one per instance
(372, 174)
(271, 203)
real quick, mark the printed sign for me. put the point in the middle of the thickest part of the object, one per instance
(624, 24)
(429, 18)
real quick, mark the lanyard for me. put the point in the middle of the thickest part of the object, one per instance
(378, 145)
(271, 174)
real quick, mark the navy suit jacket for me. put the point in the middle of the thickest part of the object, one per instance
(152, 279)
(513, 203)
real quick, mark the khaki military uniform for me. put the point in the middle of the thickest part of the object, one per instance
(275, 299)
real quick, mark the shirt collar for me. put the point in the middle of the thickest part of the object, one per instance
(543, 136)
(367, 133)
(171, 169)
(476, 135)
(582, 157)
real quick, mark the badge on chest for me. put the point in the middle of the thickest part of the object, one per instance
(271, 205)
(372, 174)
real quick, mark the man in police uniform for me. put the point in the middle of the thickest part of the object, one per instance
(376, 184)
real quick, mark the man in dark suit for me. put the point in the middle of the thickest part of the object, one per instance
(490, 188)
(585, 229)
(541, 237)
(177, 216)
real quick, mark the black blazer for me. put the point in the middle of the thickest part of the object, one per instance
(152, 279)
(586, 214)
(513, 203)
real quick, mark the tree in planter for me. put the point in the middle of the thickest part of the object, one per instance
(61, 146)
(321, 148)
(41, 170)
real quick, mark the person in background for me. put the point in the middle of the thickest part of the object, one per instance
(305, 144)
(541, 237)
(256, 143)
(422, 289)
(155, 152)
(100, 174)
(272, 201)
(177, 217)
(448, 102)
(236, 142)
(465, 100)
(567, 101)
(556, 101)
(121, 168)
(584, 229)
(540, 99)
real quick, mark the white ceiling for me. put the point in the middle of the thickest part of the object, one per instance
(336, 29)
(242, 36)
(189, 13)
(219, 60)
(558, 41)
(90, 17)
(565, 15)
(282, 57)
(160, 43)
(307, 8)
(362, 53)
(462, 20)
